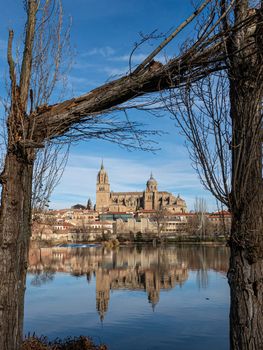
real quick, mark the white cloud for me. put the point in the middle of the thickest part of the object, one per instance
(76, 80)
(136, 58)
(80, 64)
(105, 51)
(111, 71)
(115, 62)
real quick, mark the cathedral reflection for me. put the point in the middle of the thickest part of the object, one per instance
(146, 269)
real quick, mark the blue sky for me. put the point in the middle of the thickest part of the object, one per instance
(103, 35)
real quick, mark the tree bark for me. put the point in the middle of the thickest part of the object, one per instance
(246, 242)
(246, 263)
(246, 320)
(15, 218)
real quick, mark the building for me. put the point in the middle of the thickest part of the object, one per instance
(113, 216)
(149, 199)
(221, 222)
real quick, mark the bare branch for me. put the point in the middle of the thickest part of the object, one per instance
(48, 169)
(27, 55)
(10, 60)
(171, 37)
(49, 119)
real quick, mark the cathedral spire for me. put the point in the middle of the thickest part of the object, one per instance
(102, 165)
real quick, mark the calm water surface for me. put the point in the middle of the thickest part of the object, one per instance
(173, 297)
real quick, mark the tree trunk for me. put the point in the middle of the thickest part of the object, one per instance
(15, 220)
(246, 243)
(246, 268)
(246, 320)
(246, 263)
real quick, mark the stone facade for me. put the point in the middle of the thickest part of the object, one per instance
(149, 199)
(169, 226)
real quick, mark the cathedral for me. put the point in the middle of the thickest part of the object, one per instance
(149, 199)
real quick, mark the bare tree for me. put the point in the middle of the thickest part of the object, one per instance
(51, 60)
(200, 208)
(221, 117)
(201, 111)
(231, 41)
(48, 169)
(160, 217)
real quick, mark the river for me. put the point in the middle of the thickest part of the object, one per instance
(137, 297)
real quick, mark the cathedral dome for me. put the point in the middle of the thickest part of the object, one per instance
(152, 184)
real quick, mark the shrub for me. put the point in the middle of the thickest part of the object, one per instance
(70, 343)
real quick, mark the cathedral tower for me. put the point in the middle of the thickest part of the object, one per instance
(151, 194)
(102, 190)
(102, 292)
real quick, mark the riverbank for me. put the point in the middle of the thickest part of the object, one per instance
(80, 343)
(120, 240)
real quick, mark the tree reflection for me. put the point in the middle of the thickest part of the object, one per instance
(42, 277)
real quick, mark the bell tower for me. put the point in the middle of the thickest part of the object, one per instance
(151, 194)
(102, 190)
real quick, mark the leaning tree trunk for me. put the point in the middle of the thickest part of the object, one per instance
(15, 218)
(246, 243)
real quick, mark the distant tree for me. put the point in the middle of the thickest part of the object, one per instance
(160, 217)
(78, 206)
(89, 204)
(200, 208)
(42, 277)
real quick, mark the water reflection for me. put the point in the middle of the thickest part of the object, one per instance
(138, 268)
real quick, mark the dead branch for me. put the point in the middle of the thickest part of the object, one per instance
(171, 37)
(10, 60)
(48, 120)
(48, 169)
(205, 56)
(25, 74)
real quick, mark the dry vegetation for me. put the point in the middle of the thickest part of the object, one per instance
(42, 343)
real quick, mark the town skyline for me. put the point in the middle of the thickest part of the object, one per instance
(78, 182)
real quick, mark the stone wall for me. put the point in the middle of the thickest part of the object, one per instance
(133, 226)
